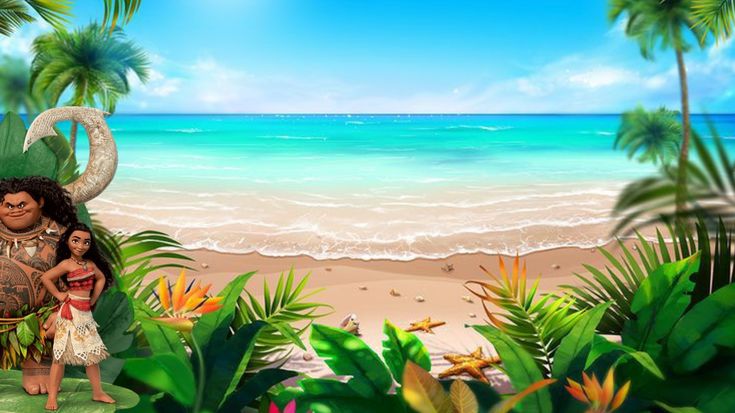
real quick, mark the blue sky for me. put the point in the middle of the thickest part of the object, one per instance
(400, 56)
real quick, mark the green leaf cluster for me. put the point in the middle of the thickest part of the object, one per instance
(400, 384)
(283, 310)
(76, 396)
(211, 377)
(677, 357)
(621, 278)
(538, 324)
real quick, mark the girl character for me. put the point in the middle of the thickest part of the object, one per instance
(82, 268)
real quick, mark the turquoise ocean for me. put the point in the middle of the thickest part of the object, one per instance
(371, 186)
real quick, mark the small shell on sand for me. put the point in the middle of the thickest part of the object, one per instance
(448, 268)
(308, 357)
(419, 299)
(394, 293)
(472, 315)
(467, 298)
(362, 287)
(635, 248)
(205, 265)
(327, 269)
(555, 266)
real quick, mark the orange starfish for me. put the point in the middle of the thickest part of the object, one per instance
(425, 325)
(471, 364)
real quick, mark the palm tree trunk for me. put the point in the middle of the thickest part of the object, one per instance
(73, 136)
(681, 182)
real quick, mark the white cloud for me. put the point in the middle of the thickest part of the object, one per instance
(570, 84)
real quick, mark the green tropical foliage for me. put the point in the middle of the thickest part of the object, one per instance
(620, 279)
(74, 397)
(717, 15)
(538, 324)
(656, 134)
(655, 23)
(282, 312)
(15, 13)
(120, 10)
(211, 378)
(710, 188)
(368, 388)
(15, 89)
(675, 354)
(93, 63)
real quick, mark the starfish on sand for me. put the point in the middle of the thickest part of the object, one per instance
(471, 364)
(425, 325)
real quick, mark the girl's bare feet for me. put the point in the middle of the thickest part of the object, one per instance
(102, 397)
(51, 404)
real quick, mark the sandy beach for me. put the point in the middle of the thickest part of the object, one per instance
(342, 279)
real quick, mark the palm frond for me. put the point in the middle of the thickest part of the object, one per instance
(717, 16)
(288, 316)
(13, 14)
(140, 250)
(710, 191)
(117, 9)
(56, 12)
(622, 277)
(538, 324)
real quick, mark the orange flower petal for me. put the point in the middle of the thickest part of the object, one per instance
(178, 294)
(193, 290)
(163, 295)
(592, 389)
(577, 394)
(208, 307)
(620, 397)
(608, 388)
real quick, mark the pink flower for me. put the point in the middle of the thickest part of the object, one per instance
(290, 408)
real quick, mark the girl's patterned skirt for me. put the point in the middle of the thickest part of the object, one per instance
(76, 341)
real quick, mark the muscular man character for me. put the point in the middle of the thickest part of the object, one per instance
(34, 212)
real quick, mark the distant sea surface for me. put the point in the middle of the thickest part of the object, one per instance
(371, 187)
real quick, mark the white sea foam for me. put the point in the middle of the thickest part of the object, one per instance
(186, 130)
(296, 138)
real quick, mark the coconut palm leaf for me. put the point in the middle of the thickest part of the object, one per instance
(621, 277)
(717, 15)
(15, 13)
(139, 251)
(288, 317)
(538, 324)
(115, 9)
(710, 191)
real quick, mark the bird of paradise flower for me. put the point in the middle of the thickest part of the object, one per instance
(600, 398)
(181, 305)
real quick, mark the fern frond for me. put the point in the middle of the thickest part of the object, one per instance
(537, 323)
(288, 316)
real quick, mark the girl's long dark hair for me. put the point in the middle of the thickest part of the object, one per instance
(93, 254)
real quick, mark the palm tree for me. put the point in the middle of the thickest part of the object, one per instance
(15, 89)
(93, 63)
(14, 13)
(717, 15)
(656, 133)
(654, 22)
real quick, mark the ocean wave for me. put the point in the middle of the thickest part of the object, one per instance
(296, 138)
(484, 128)
(186, 130)
(597, 132)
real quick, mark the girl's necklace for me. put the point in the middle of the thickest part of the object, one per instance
(83, 263)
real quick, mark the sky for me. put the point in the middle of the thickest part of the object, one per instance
(399, 56)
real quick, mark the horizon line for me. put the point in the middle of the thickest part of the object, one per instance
(389, 114)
